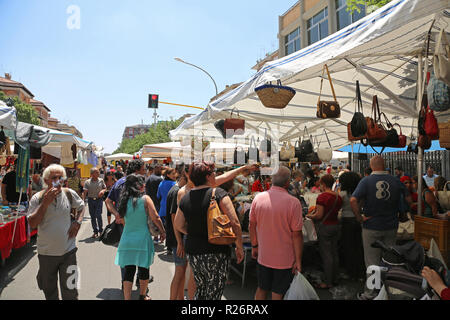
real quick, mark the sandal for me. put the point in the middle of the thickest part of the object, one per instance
(144, 297)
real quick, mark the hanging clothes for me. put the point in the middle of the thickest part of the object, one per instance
(66, 153)
(23, 170)
(85, 170)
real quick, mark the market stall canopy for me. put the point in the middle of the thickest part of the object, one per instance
(7, 116)
(177, 151)
(381, 51)
(56, 136)
(119, 156)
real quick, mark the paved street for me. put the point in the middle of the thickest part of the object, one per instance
(100, 277)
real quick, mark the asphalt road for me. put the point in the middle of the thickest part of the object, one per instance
(100, 278)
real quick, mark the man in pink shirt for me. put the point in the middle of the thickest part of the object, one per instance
(276, 235)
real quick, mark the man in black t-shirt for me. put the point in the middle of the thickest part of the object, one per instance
(152, 184)
(9, 193)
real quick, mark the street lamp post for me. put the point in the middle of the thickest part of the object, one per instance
(182, 61)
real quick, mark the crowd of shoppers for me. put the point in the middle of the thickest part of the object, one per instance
(350, 213)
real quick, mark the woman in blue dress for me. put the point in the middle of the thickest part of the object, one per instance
(136, 247)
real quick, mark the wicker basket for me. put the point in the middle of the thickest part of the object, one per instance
(427, 228)
(275, 96)
(444, 134)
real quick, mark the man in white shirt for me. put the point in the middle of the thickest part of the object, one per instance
(50, 212)
(430, 176)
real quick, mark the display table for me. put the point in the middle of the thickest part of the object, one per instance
(6, 234)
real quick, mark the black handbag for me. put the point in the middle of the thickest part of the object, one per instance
(306, 148)
(112, 234)
(358, 125)
(219, 125)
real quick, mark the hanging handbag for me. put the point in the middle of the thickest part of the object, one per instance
(240, 156)
(306, 148)
(430, 124)
(219, 125)
(441, 61)
(234, 126)
(287, 151)
(325, 154)
(401, 138)
(357, 128)
(220, 231)
(375, 129)
(327, 109)
(253, 152)
(424, 142)
(275, 96)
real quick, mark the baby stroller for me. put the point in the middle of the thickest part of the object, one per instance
(401, 268)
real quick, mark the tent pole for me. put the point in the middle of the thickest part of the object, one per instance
(420, 153)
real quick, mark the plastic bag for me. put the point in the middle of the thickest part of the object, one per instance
(301, 289)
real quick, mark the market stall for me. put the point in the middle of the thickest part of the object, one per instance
(387, 54)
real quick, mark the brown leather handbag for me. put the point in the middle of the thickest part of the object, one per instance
(327, 109)
(235, 124)
(375, 129)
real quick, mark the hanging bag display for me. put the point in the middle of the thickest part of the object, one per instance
(234, 125)
(219, 225)
(306, 148)
(240, 156)
(375, 130)
(357, 128)
(253, 152)
(401, 138)
(430, 124)
(275, 96)
(441, 59)
(219, 125)
(287, 151)
(325, 154)
(327, 109)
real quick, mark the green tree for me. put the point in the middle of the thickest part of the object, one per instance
(25, 112)
(159, 134)
(353, 5)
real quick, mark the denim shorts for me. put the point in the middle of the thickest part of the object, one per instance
(179, 262)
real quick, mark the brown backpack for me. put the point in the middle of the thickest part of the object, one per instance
(219, 225)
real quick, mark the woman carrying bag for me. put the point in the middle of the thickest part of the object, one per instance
(209, 262)
(328, 205)
(135, 207)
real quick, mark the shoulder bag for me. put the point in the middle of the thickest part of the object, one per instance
(220, 231)
(357, 128)
(318, 225)
(327, 109)
(253, 152)
(325, 154)
(444, 197)
(235, 125)
(375, 129)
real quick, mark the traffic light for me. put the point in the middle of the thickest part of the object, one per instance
(153, 101)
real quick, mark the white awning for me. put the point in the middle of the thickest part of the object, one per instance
(379, 50)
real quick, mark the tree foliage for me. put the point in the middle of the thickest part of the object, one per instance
(353, 5)
(25, 112)
(159, 134)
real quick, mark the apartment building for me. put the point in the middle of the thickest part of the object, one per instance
(309, 21)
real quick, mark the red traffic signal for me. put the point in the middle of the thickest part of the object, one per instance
(153, 101)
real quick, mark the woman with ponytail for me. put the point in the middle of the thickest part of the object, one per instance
(136, 247)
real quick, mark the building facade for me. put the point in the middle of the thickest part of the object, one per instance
(309, 21)
(132, 131)
(42, 110)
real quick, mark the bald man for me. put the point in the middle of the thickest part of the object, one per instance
(380, 194)
(276, 236)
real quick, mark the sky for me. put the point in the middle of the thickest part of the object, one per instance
(95, 65)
